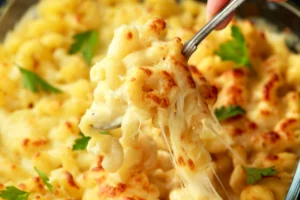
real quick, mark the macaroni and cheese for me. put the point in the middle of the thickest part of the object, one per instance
(170, 144)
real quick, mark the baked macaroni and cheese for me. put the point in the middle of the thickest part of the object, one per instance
(225, 125)
(144, 83)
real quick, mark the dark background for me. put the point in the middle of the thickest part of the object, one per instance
(297, 2)
(2, 2)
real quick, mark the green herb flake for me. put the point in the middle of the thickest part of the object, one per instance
(81, 143)
(13, 193)
(224, 113)
(34, 83)
(255, 174)
(236, 49)
(85, 43)
(44, 178)
(104, 133)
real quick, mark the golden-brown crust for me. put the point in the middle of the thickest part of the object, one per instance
(269, 87)
(170, 80)
(271, 137)
(110, 191)
(191, 165)
(71, 180)
(209, 92)
(146, 71)
(129, 35)
(35, 143)
(159, 101)
(191, 82)
(180, 161)
(158, 25)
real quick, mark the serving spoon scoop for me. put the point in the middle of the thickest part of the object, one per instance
(191, 45)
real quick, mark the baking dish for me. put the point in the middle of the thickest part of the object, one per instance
(283, 16)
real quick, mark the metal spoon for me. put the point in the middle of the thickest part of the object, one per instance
(191, 46)
(294, 190)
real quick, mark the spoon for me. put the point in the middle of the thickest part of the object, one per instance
(191, 45)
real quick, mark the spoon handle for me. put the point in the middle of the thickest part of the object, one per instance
(190, 46)
(294, 191)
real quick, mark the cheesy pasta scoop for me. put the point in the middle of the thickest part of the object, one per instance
(145, 84)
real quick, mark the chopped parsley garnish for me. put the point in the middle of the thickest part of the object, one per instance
(255, 174)
(104, 133)
(224, 113)
(86, 44)
(81, 143)
(34, 83)
(236, 49)
(44, 178)
(13, 193)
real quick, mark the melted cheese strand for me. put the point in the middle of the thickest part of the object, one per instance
(219, 180)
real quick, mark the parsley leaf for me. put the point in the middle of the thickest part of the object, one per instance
(44, 178)
(33, 82)
(255, 174)
(224, 113)
(13, 193)
(86, 44)
(81, 143)
(236, 49)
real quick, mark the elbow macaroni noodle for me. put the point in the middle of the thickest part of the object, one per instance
(169, 145)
